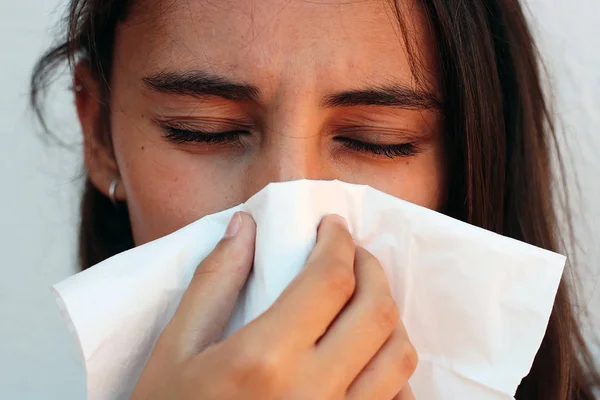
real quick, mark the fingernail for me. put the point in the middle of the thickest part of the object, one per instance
(234, 225)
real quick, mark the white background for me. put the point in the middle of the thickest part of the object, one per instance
(39, 185)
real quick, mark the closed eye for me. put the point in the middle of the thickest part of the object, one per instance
(184, 136)
(386, 150)
(178, 135)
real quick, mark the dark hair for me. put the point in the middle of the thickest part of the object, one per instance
(500, 143)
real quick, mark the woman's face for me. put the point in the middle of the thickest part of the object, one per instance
(316, 90)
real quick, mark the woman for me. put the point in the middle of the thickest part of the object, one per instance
(189, 108)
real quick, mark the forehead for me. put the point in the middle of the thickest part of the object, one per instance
(309, 44)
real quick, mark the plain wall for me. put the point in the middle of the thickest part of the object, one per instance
(39, 186)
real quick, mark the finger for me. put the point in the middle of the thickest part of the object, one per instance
(386, 376)
(363, 326)
(208, 302)
(314, 298)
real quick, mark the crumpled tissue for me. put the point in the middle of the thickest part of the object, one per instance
(475, 304)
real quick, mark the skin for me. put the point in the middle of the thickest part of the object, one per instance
(298, 348)
(285, 50)
(295, 54)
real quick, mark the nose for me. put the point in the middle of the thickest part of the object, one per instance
(288, 157)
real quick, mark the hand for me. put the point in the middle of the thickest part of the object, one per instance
(334, 333)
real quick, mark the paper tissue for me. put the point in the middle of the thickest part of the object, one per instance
(475, 304)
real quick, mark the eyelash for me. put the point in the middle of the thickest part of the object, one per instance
(387, 150)
(185, 136)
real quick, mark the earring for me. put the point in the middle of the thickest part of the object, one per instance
(112, 190)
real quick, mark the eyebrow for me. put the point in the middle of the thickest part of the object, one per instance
(203, 84)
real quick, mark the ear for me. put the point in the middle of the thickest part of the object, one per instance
(99, 156)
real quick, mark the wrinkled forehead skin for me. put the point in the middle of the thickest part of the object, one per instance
(300, 47)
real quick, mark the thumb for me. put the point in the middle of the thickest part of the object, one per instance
(208, 302)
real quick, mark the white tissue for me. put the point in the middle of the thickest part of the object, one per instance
(475, 304)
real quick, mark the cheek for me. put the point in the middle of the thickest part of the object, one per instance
(168, 189)
(419, 180)
(425, 186)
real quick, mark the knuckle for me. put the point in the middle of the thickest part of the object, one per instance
(407, 358)
(259, 365)
(223, 254)
(386, 314)
(208, 267)
(340, 279)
